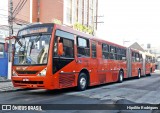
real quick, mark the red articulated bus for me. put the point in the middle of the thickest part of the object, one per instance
(51, 56)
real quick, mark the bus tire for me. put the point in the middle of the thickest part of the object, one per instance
(82, 82)
(150, 72)
(120, 77)
(139, 74)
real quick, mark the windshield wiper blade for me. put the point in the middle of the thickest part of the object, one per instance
(38, 37)
(18, 42)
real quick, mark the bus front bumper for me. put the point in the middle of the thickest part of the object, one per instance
(31, 82)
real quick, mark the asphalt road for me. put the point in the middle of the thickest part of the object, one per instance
(144, 90)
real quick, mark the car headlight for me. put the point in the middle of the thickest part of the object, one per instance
(43, 72)
(14, 73)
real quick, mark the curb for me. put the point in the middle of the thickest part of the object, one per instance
(5, 81)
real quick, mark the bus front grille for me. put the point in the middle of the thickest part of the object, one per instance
(27, 72)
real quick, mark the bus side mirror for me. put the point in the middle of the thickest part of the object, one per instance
(60, 48)
(6, 47)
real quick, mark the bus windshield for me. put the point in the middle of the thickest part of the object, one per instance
(31, 50)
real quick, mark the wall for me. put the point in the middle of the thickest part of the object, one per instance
(50, 9)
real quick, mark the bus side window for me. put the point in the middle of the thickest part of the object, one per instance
(94, 50)
(105, 51)
(137, 57)
(146, 59)
(83, 47)
(113, 53)
(141, 59)
(133, 57)
(67, 47)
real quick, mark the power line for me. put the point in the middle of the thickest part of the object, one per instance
(19, 8)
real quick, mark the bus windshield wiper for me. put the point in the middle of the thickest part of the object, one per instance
(38, 37)
(18, 42)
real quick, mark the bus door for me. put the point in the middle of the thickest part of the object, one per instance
(63, 58)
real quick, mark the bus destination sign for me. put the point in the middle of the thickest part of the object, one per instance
(34, 30)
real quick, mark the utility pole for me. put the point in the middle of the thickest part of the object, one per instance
(10, 21)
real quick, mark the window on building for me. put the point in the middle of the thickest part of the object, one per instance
(83, 47)
(74, 11)
(85, 12)
(91, 13)
(80, 11)
(94, 53)
(68, 9)
(1, 50)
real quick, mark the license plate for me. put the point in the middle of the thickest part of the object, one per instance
(25, 79)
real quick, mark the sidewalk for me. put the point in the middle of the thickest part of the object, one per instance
(3, 79)
(6, 85)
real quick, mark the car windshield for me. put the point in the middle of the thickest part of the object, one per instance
(31, 50)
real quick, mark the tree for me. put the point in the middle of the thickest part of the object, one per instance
(83, 28)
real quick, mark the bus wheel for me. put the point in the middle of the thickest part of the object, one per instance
(150, 72)
(82, 82)
(120, 77)
(139, 74)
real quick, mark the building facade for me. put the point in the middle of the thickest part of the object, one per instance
(68, 12)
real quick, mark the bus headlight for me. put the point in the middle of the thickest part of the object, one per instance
(14, 73)
(43, 72)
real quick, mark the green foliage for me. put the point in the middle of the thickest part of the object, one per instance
(83, 28)
(56, 21)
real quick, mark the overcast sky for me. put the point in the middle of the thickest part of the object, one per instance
(130, 20)
(3, 12)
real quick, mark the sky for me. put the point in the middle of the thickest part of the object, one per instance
(3, 12)
(129, 21)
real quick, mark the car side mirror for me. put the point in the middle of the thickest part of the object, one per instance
(60, 49)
